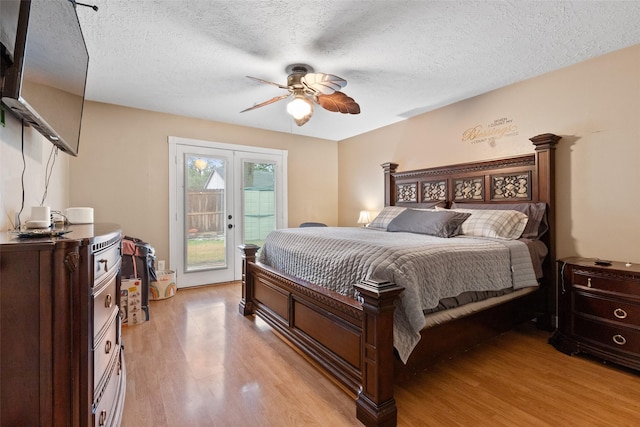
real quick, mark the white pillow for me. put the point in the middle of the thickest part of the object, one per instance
(501, 224)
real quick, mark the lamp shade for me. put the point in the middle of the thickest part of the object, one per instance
(364, 217)
(299, 107)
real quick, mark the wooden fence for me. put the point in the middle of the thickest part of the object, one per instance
(205, 212)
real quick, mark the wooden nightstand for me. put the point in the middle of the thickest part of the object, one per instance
(599, 310)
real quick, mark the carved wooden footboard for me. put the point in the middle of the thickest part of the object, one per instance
(353, 341)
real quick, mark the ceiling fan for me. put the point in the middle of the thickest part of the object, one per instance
(308, 88)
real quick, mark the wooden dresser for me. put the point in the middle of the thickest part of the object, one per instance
(61, 362)
(599, 310)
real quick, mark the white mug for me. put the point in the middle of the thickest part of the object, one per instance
(41, 213)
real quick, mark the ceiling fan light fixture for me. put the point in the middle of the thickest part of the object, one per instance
(310, 88)
(299, 107)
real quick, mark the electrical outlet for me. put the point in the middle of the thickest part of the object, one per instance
(161, 265)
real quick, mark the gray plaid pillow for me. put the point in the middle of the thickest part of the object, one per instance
(500, 224)
(537, 224)
(386, 215)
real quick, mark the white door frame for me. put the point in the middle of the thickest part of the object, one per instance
(241, 152)
(216, 272)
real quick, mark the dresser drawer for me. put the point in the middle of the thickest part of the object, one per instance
(618, 311)
(104, 352)
(105, 407)
(106, 261)
(104, 304)
(607, 284)
(618, 338)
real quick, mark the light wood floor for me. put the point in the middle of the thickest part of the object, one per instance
(198, 362)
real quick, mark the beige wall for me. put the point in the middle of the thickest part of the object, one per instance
(122, 168)
(594, 106)
(37, 150)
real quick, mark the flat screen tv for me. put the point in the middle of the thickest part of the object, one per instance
(45, 68)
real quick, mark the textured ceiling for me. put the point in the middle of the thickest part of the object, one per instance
(400, 58)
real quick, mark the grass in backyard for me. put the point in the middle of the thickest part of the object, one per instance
(208, 252)
(205, 252)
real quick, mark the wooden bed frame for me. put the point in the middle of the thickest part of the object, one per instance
(353, 341)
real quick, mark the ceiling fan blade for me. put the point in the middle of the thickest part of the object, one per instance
(339, 102)
(271, 101)
(268, 82)
(323, 83)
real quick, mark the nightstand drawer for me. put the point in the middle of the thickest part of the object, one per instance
(619, 338)
(618, 311)
(599, 310)
(597, 282)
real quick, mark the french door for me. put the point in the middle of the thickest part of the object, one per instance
(221, 196)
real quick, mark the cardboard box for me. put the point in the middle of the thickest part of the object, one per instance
(131, 302)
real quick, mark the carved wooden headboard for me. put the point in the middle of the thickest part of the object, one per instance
(519, 179)
(525, 178)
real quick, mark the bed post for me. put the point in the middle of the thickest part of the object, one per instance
(248, 252)
(389, 183)
(375, 405)
(545, 163)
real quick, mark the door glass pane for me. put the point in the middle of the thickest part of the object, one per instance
(259, 201)
(205, 226)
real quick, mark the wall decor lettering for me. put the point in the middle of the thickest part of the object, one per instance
(497, 129)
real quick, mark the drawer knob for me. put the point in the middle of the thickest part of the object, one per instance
(102, 420)
(107, 347)
(589, 282)
(620, 313)
(103, 261)
(108, 301)
(619, 339)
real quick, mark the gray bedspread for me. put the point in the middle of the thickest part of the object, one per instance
(428, 268)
